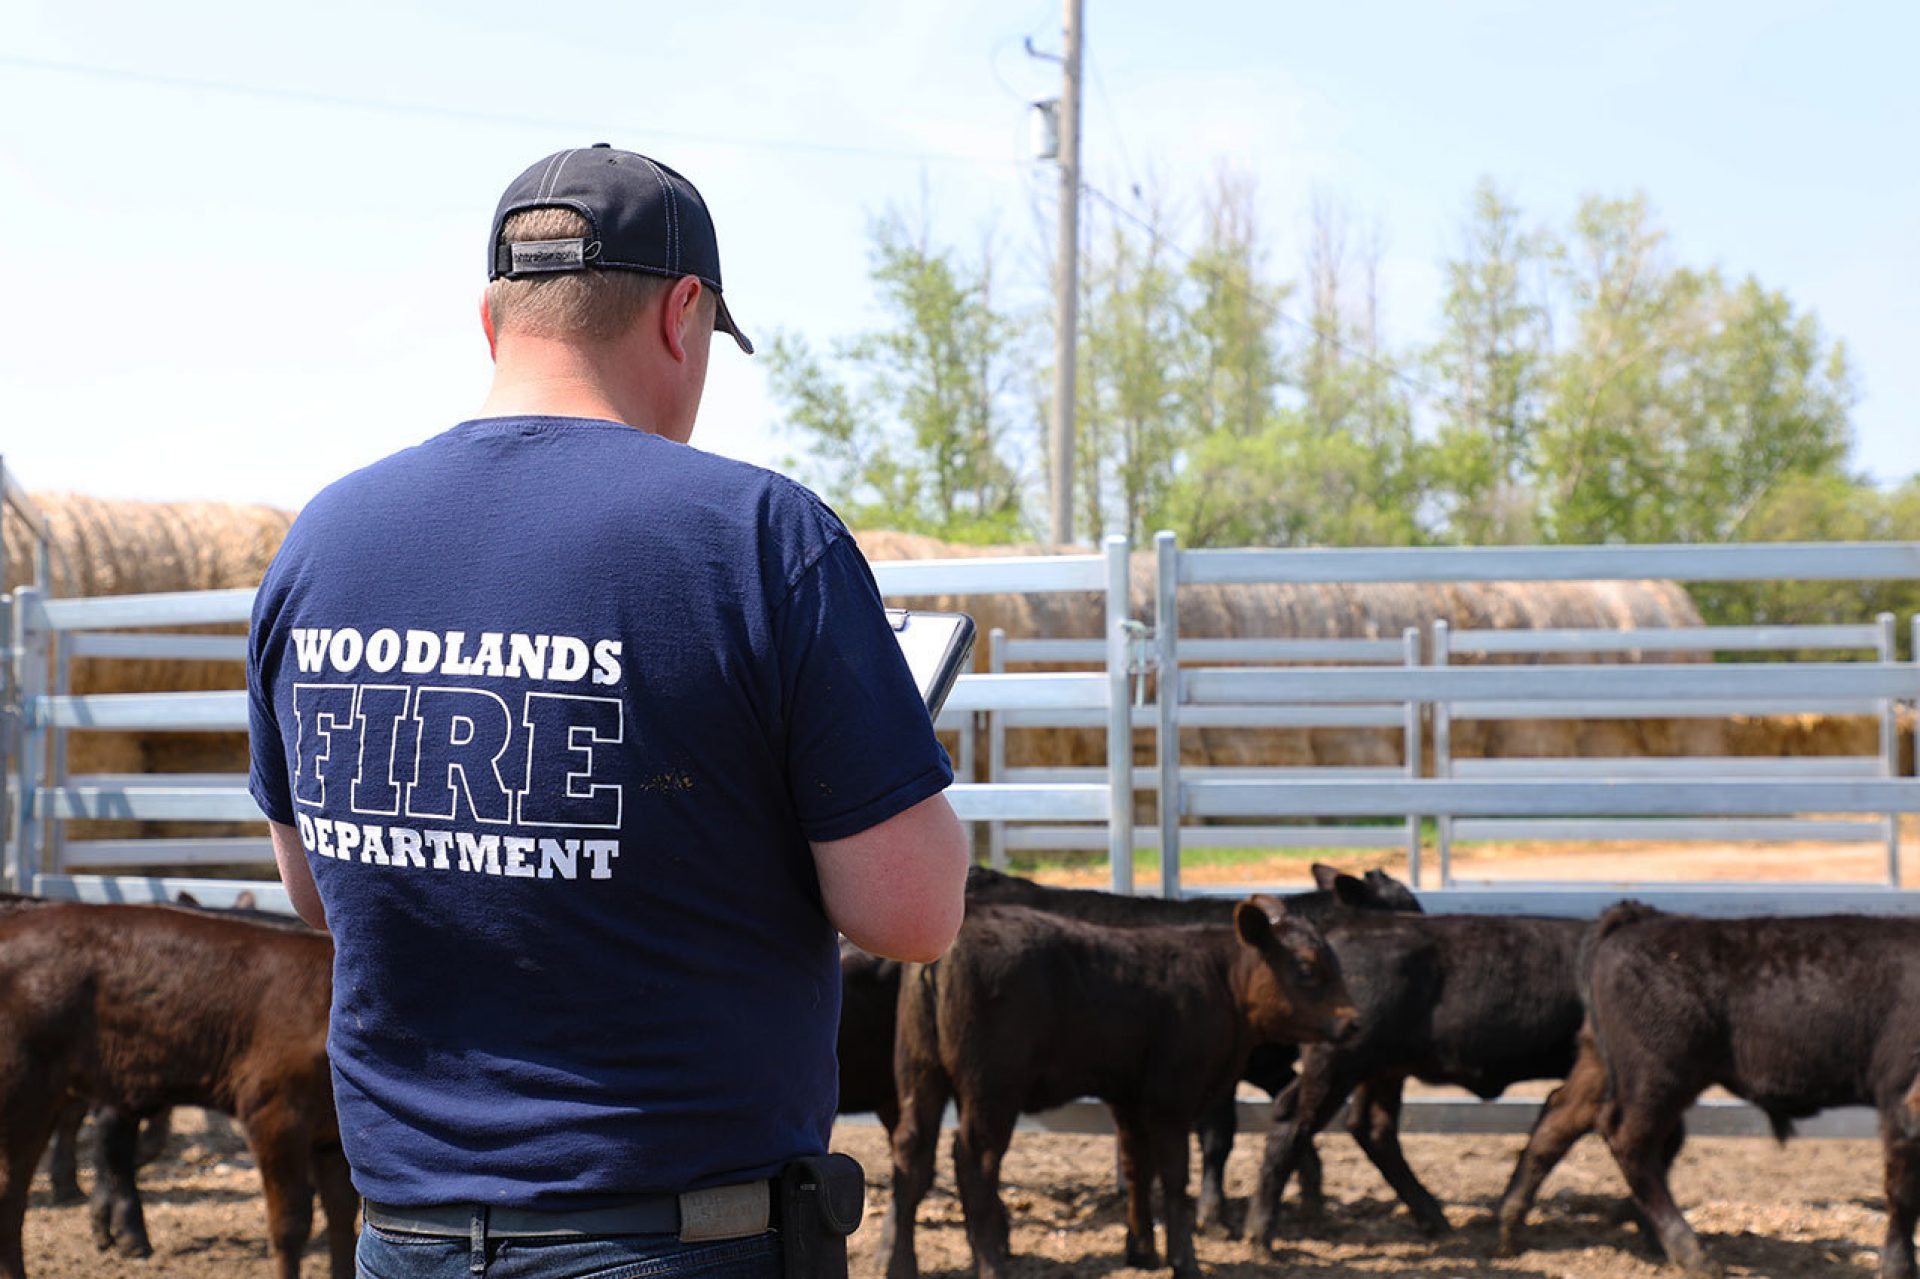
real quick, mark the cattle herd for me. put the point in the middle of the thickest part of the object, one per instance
(1328, 1000)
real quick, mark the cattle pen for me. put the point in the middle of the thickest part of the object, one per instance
(1153, 684)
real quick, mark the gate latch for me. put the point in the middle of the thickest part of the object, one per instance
(1140, 656)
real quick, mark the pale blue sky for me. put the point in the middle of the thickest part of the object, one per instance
(241, 295)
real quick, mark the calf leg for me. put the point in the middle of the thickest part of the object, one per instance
(924, 1091)
(282, 1147)
(1307, 1173)
(154, 1135)
(341, 1202)
(1375, 1124)
(1169, 1142)
(1315, 1099)
(1215, 1130)
(1571, 1111)
(979, 1144)
(1138, 1167)
(116, 1213)
(1900, 1135)
(1639, 1131)
(63, 1162)
(27, 1109)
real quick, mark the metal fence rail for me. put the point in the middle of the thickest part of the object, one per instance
(1599, 798)
(1387, 713)
(1710, 696)
(49, 634)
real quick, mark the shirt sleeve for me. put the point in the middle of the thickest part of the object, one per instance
(267, 771)
(860, 745)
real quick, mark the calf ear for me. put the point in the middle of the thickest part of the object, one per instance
(1352, 892)
(1325, 876)
(1250, 920)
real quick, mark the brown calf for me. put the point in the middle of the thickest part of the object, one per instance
(144, 1007)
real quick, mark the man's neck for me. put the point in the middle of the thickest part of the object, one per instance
(534, 378)
(550, 396)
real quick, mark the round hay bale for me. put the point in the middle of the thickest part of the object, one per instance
(1338, 611)
(106, 547)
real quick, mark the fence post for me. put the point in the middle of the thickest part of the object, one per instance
(1442, 757)
(30, 658)
(997, 748)
(1410, 642)
(1119, 714)
(969, 745)
(1890, 744)
(55, 829)
(9, 728)
(1166, 735)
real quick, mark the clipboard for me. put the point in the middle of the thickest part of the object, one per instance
(936, 646)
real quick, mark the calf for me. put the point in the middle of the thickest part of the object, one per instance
(1030, 1010)
(869, 992)
(1794, 1015)
(117, 1154)
(1482, 1002)
(143, 1007)
(870, 987)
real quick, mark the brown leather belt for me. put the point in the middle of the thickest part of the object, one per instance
(696, 1216)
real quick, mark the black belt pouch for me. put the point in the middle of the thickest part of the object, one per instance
(822, 1198)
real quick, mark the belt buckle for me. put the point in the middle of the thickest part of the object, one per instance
(725, 1212)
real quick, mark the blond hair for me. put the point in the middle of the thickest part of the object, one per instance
(589, 305)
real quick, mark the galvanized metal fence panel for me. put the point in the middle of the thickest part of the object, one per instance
(39, 858)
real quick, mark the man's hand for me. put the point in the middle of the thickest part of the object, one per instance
(897, 889)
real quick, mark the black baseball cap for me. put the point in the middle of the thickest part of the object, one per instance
(643, 216)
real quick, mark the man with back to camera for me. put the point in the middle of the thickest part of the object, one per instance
(583, 743)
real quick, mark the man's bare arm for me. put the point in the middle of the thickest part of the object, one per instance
(297, 876)
(897, 889)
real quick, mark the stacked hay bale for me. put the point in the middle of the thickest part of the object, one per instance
(1342, 611)
(102, 547)
(118, 547)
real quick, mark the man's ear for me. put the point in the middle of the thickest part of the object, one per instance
(682, 310)
(486, 324)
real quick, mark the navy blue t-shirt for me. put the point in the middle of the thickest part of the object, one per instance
(556, 706)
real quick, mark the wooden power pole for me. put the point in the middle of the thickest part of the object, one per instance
(1066, 285)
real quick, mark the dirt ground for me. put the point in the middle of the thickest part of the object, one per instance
(1622, 862)
(1813, 1209)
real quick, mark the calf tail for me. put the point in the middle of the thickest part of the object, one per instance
(1612, 920)
(916, 1034)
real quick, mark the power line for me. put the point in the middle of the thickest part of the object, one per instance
(304, 97)
(1332, 339)
(1113, 122)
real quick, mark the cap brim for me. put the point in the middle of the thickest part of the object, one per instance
(723, 323)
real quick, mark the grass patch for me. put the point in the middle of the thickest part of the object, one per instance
(1147, 860)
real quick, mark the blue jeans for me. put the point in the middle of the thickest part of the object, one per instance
(385, 1255)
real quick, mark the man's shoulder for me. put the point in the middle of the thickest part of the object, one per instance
(626, 475)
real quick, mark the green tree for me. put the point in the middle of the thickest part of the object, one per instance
(908, 425)
(1492, 363)
(1135, 346)
(1827, 507)
(1680, 401)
